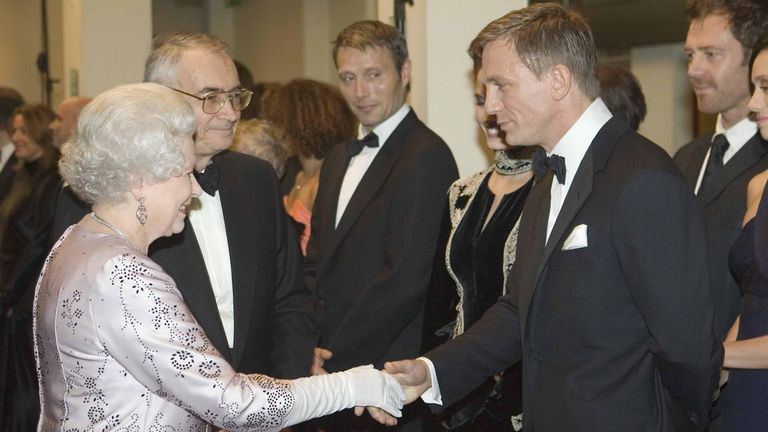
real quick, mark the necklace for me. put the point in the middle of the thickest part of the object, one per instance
(506, 164)
(113, 228)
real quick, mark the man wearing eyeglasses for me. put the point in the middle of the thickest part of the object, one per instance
(236, 263)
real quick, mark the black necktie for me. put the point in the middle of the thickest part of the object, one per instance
(356, 146)
(209, 179)
(543, 163)
(715, 163)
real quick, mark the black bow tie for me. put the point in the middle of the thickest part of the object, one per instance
(543, 163)
(356, 146)
(719, 147)
(209, 179)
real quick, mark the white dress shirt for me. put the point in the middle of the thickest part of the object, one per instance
(6, 150)
(572, 146)
(737, 135)
(360, 163)
(207, 220)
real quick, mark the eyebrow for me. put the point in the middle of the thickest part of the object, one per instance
(218, 89)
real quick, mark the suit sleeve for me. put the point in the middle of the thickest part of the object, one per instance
(295, 334)
(490, 345)
(395, 296)
(659, 238)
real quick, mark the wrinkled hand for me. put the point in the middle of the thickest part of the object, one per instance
(378, 391)
(377, 414)
(413, 375)
(319, 357)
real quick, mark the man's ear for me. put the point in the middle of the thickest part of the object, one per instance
(405, 72)
(560, 81)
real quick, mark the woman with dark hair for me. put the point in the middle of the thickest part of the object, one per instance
(622, 93)
(314, 116)
(26, 214)
(745, 404)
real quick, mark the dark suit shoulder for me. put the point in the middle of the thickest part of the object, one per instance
(686, 150)
(241, 161)
(635, 154)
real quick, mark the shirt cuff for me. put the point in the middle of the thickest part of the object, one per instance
(432, 395)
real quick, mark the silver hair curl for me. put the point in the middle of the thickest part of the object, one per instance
(126, 135)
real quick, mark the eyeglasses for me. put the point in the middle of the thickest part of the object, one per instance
(214, 102)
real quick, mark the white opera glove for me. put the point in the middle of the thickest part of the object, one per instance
(376, 388)
(321, 395)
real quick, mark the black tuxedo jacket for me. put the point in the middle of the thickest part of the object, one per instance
(614, 336)
(724, 201)
(371, 273)
(7, 174)
(274, 331)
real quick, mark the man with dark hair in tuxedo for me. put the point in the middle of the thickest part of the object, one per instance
(718, 166)
(609, 307)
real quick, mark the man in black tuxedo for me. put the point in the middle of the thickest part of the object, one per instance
(609, 306)
(377, 214)
(719, 166)
(10, 99)
(236, 263)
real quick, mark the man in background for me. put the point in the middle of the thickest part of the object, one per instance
(718, 166)
(10, 99)
(66, 118)
(376, 216)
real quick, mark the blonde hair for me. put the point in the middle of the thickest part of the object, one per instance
(264, 140)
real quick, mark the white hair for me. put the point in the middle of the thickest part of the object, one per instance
(127, 134)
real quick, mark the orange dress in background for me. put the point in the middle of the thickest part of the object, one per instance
(301, 214)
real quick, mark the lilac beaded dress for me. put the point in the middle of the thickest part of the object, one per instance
(117, 349)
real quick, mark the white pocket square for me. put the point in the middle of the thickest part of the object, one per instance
(577, 239)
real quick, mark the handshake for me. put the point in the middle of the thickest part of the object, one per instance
(382, 393)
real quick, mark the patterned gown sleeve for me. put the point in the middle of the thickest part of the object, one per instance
(144, 324)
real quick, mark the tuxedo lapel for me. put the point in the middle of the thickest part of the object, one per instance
(371, 182)
(180, 255)
(241, 236)
(532, 233)
(594, 161)
(692, 169)
(747, 156)
(336, 167)
(577, 194)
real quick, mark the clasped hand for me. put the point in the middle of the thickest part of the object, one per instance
(413, 379)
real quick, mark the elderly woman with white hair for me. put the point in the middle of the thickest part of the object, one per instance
(116, 346)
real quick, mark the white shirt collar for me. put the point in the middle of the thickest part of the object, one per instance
(6, 150)
(737, 135)
(572, 147)
(385, 128)
(575, 143)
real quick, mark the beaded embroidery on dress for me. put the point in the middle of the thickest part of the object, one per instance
(119, 350)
